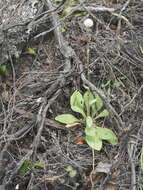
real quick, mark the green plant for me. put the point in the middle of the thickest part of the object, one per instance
(71, 171)
(112, 86)
(70, 7)
(90, 106)
(27, 166)
(31, 51)
(3, 70)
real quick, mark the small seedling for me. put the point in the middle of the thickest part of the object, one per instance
(31, 51)
(3, 70)
(71, 171)
(69, 8)
(27, 166)
(90, 106)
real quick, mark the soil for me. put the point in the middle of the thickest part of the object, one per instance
(38, 88)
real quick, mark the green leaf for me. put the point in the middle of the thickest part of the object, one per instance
(38, 165)
(63, 29)
(93, 107)
(89, 121)
(104, 113)
(106, 134)
(58, 1)
(31, 51)
(69, 168)
(3, 70)
(99, 102)
(67, 11)
(34, 2)
(122, 17)
(72, 172)
(117, 84)
(92, 102)
(80, 14)
(66, 118)
(77, 103)
(94, 142)
(90, 131)
(88, 98)
(27, 165)
(92, 139)
(107, 84)
(141, 186)
(86, 87)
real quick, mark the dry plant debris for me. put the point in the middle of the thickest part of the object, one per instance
(47, 54)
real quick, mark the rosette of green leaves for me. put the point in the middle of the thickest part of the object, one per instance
(87, 105)
(90, 106)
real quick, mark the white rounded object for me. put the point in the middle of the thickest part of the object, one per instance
(88, 23)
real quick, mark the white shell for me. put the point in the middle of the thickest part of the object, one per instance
(88, 23)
